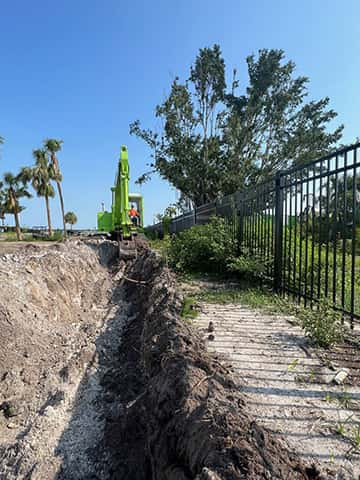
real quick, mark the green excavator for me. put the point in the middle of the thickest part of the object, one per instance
(119, 223)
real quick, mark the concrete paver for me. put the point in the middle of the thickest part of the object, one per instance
(288, 389)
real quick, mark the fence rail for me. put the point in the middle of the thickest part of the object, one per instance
(304, 225)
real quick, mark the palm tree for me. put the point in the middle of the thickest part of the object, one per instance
(52, 146)
(71, 218)
(2, 203)
(40, 176)
(14, 189)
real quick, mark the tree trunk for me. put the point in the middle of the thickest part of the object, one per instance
(17, 226)
(48, 216)
(62, 207)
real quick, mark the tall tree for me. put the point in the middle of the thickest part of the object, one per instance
(40, 176)
(2, 203)
(188, 150)
(270, 127)
(15, 188)
(52, 146)
(2, 194)
(215, 141)
(342, 197)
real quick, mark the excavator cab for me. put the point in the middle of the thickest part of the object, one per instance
(136, 201)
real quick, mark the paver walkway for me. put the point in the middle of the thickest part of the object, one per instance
(288, 389)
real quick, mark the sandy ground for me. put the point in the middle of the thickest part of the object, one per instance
(59, 329)
(289, 391)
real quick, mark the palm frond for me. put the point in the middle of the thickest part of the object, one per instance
(53, 145)
(22, 192)
(25, 175)
(9, 179)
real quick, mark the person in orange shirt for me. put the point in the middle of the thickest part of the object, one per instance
(134, 215)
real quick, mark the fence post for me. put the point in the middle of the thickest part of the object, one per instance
(278, 231)
(240, 213)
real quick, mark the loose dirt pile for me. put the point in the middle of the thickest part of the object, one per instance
(53, 304)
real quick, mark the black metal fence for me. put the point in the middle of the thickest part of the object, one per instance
(304, 225)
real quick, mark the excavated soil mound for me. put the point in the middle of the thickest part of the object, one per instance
(53, 302)
(176, 413)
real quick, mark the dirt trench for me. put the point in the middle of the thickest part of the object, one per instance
(100, 378)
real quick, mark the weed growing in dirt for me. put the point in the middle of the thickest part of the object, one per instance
(328, 398)
(340, 429)
(292, 366)
(189, 310)
(312, 376)
(345, 399)
(351, 433)
(323, 324)
(356, 436)
(341, 426)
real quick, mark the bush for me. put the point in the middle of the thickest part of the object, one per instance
(246, 266)
(322, 325)
(203, 248)
(151, 234)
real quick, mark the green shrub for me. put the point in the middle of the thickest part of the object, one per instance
(246, 266)
(203, 248)
(322, 325)
(151, 234)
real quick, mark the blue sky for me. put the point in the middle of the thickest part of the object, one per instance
(82, 70)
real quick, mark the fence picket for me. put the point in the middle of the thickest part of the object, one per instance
(311, 247)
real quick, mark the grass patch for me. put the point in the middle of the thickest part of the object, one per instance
(260, 298)
(30, 237)
(11, 237)
(188, 310)
(321, 325)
